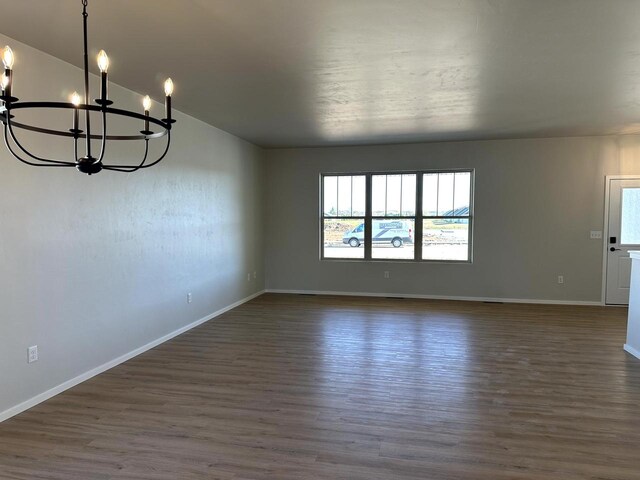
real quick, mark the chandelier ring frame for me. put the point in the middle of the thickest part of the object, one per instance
(162, 123)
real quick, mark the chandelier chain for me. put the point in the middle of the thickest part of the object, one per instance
(87, 118)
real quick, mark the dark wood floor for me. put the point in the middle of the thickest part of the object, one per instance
(299, 387)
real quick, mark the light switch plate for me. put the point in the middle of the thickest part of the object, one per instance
(596, 234)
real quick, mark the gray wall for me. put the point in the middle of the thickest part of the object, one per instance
(92, 268)
(536, 202)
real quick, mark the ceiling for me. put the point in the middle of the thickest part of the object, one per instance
(283, 73)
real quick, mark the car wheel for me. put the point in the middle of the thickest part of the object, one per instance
(354, 242)
(396, 242)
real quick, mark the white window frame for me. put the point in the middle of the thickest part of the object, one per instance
(418, 218)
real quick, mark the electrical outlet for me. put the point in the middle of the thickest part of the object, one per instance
(386, 274)
(248, 277)
(595, 235)
(32, 354)
(189, 297)
(255, 275)
(560, 279)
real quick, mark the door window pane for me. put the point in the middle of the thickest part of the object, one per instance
(630, 220)
(392, 238)
(343, 238)
(445, 239)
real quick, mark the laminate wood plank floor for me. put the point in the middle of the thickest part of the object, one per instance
(294, 387)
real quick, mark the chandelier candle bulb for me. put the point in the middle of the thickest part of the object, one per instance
(103, 61)
(8, 58)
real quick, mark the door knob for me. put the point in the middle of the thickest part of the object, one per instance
(613, 249)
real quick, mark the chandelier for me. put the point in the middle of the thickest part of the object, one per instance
(90, 163)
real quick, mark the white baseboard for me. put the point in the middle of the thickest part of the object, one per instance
(437, 297)
(33, 401)
(629, 349)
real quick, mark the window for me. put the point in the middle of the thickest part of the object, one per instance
(446, 215)
(393, 201)
(343, 213)
(629, 227)
(397, 216)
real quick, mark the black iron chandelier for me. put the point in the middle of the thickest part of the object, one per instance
(89, 163)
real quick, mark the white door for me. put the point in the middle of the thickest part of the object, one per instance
(623, 234)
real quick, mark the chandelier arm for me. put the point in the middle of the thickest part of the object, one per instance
(17, 157)
(164, 154)
(119, 168)
(24, 150)
(137, 167)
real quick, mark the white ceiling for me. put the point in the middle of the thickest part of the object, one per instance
(328, 72)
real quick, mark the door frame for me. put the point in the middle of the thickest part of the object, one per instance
(605, 230)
